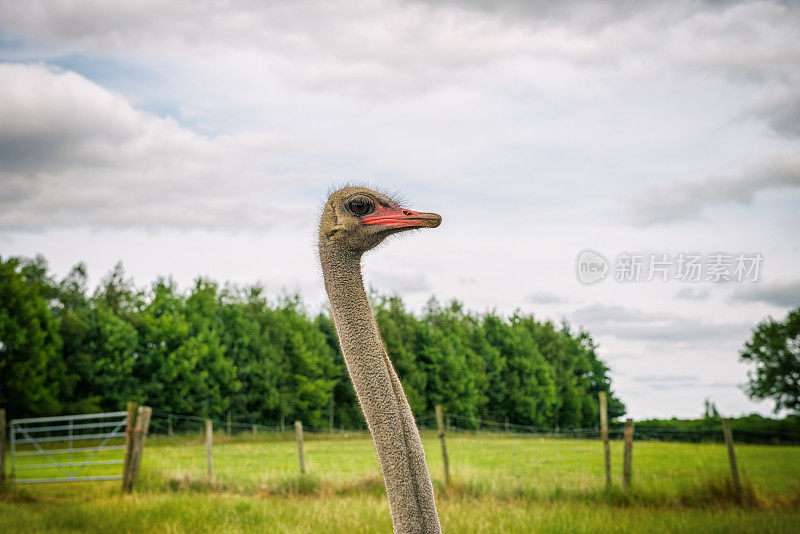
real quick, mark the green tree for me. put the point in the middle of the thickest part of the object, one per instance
(180, 360)
(307, 364)
(774, 352)
(530, 391)
(113, 359)
(455, 373)
(30, 358)
(346, 411)
(400, 331)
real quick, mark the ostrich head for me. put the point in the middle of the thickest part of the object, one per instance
(357, 219)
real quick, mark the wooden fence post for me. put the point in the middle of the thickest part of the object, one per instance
(2, 446)
(229, 423)
(298, 429)
(604, 436)
(255, 429)
(445, 459)
(126, 464)
(209, 445)
(330, 420)
(726, 431)
(169, 425)
(138, 439)
(628, 455)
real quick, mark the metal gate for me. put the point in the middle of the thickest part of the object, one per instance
(40, 445)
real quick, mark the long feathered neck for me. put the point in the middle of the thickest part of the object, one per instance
(388, 414)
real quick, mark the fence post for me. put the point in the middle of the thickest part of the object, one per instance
(628, 455)
(169, 425)
(255, 429)
(604, 435)
(330, 420)
(445, 459)
(298, 429)
(283, 423)
(138, 439)
(131, 424)
(726, 431)
(209, 445)
(229, 423)
(12, 441)
(2, 446)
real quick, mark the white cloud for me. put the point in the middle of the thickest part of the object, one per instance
(75, 153)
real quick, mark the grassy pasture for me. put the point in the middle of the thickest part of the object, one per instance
(501, 483)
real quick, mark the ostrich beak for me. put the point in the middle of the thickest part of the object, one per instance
(396, 217)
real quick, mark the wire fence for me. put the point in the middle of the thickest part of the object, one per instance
(169, 424)
(482, 453)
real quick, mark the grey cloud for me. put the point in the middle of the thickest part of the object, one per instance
(633, 324)
(679, 201)
(742, 40)
(690, 293)
(666, 382)
(603, 313)
(780, 109)
(370, 44)
(399, 281)
(679, 330)
(665, 378)
(719, 385)
(544, 297)
(778, 294)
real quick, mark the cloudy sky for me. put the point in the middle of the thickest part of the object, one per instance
(200, 138)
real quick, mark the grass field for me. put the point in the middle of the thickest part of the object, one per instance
(500, 483)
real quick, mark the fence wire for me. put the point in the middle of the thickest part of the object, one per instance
(483, 453)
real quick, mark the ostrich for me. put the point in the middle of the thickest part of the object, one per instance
(354, 221)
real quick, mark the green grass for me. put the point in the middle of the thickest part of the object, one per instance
(501, 483)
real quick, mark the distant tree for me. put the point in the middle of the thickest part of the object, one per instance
(208, 350)
(710, 410)
(774, 350)
(117, 293)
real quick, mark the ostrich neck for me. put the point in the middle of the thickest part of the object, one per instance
(381, 396)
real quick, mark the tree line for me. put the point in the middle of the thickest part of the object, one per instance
(218, 348)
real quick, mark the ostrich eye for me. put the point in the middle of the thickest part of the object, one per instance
(360, 205)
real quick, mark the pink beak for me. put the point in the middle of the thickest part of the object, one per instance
(396, 217)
